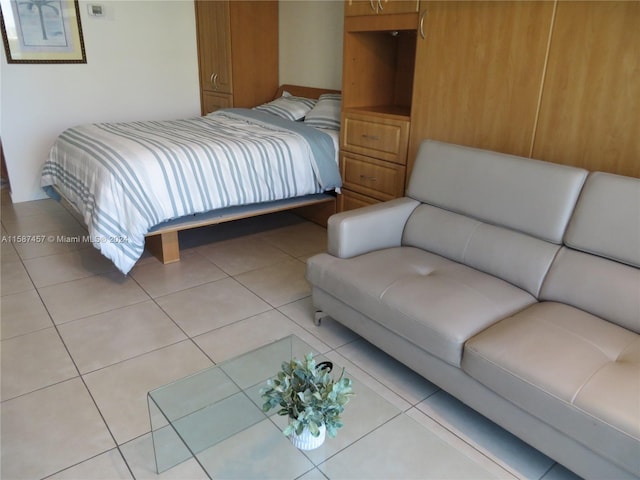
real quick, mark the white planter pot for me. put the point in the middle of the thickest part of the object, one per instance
(306, 441)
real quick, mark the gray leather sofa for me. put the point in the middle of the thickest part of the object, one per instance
(511, 283)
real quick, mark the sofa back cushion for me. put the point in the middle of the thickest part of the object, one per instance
(598, 270)
(529, 196)
(517, 258)
(501, 214)
(606, 221)
(602, 287)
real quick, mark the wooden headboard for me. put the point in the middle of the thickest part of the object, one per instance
(300, 91)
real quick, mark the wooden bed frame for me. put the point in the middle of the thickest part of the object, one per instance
(162, 241)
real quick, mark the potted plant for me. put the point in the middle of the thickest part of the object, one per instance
(307, 393)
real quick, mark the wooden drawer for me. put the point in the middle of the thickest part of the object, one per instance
(215, 101)
(381, 137)
(349, 200)
(375, 178)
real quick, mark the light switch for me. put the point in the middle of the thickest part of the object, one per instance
(95, 10)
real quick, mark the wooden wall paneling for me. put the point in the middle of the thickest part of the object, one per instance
(590, 109)
(479, 72)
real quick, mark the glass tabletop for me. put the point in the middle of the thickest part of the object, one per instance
(215, 416)
(197, 412)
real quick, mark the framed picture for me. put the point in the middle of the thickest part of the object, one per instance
(42, 31)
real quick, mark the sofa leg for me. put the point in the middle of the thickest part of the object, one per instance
(318, 316)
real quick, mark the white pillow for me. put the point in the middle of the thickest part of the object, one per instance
(288, 106)
(326, 113)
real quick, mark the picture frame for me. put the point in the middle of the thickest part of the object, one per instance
(42, 31)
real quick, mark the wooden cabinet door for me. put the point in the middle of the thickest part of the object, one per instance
(398, 6)
(360, 7)
(254, 44)
(478, 74)
(380, 7)
(214, 45)
(590, 109)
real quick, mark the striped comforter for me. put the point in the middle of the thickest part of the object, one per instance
(124, 178)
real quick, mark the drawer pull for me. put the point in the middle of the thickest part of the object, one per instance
(368, 178)
(370, 137)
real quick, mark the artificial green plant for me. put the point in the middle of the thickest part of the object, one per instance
(307, 393)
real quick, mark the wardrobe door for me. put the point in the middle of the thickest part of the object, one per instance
(379, 7)
(360, 7)
(478, 73)
(254, 48)
(237, 52)
(389, 7)
(590, 109)
(214, 45)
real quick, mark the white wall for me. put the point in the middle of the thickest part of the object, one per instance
(311, 42)
(142, 64)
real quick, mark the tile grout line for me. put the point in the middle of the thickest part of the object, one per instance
(93, 400)
(80, 375)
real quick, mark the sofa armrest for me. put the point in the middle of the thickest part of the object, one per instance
(369, 228)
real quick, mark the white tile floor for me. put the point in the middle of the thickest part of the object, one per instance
(82, 345)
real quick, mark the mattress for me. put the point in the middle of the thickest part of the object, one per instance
(124, 178)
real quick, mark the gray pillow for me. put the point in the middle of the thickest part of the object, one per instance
(288, 106)
(326, 112)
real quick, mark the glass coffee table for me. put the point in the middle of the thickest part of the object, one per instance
(215, 416)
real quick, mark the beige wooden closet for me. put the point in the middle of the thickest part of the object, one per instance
(237, 52)
(553, 80)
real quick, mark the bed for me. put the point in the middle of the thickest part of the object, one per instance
(141, 183)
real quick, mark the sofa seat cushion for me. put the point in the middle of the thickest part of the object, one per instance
(572, 369)
(427, 299)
